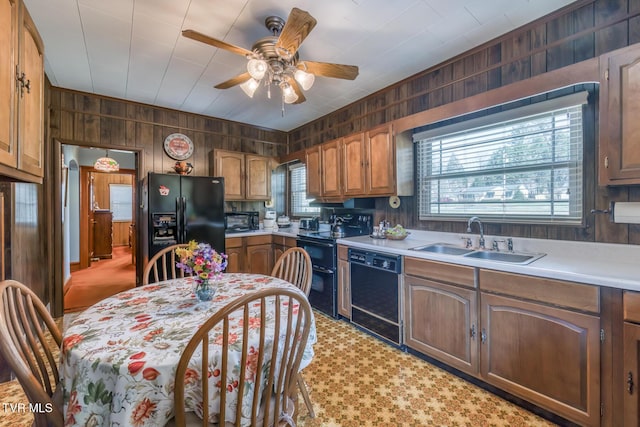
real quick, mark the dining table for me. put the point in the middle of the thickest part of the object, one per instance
(120, 355)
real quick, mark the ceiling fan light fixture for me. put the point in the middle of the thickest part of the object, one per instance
(250, 86)
(290, 96)
(257, 68)
(304, 79)
(106, 164)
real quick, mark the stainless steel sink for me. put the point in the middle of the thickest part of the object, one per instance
(443, 248)
(509, 257)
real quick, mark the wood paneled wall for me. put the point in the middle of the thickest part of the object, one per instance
(84, 119)
(581, 31)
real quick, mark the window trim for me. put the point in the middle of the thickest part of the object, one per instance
(565, 101)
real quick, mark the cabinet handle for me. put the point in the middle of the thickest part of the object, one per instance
(20, 77)
(473, 331)
(483, 336)
(630, 382)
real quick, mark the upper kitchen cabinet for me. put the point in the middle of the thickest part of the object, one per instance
(619, 125)
(377, 163)
(314, 173)
(380, 162)
(323, 164)
(353, 165)
(367, 164)
(246, 176)
(330, 160)
(21, 95)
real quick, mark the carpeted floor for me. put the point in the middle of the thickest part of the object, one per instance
(355, 380)
(103, 279)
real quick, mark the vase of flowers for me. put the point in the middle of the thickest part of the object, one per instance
(204, 264)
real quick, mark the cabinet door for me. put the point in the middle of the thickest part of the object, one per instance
(312, 158)
(546, 355)
(258, 173)
(31, 99)
(441, 321)
(619, 124)
(260, 259)
(353, 174)
(278, 250)
(380, 161)
(330, 176)
(235, 260)
(631, 371)
(344, 289)
(102, 234)
(230, 165)
(234, 248)
(8, 21)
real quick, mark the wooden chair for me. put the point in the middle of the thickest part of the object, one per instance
(268, 408)
(162, 266)
(294, 266)
(27, 350)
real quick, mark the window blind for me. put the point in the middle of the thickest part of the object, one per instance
(522, 165)
(299, 201)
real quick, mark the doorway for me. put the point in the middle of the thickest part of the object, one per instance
(99, 218)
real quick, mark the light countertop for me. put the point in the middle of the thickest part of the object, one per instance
(602, 264)
(281, 232)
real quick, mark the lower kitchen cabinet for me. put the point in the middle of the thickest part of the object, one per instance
(259, 254)
(255, 254)
(631, 370)
(533, 349)
(538, 339)
(631, 363)
(281, 244)
(344, 282)
(441, 312)
(234, 248)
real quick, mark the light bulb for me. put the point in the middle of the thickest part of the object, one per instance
(305, 79)
(257, 68)
(250, 86)
(290, 95)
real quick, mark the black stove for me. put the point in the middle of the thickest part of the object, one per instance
(321, 247)
(352, 225)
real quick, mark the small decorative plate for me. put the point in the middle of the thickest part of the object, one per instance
(178, 146)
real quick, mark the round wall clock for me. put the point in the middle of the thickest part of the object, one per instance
(178, 146)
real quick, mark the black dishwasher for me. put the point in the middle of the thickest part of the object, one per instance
(375, 293)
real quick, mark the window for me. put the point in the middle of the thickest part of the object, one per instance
(523, 165)
(299, 201)
(121, 201)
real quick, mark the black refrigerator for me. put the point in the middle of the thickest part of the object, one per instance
(181, 208)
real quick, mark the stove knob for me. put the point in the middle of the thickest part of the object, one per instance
(385, 264)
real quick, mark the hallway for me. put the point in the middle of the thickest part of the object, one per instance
(104, 278)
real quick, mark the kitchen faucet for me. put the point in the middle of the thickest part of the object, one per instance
(471, 221)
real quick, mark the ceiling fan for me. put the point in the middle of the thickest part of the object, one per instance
(274, 60)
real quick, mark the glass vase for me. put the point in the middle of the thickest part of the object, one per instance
(205, 290)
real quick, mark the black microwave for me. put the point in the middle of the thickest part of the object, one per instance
(236, 222)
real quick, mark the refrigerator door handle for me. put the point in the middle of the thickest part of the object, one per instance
(179, 219)
(183, 202)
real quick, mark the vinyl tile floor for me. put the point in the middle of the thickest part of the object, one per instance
(356, 380)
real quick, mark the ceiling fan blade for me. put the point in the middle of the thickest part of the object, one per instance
(298, 26)
(194, 35)
(325, 69)
(234, 81)
(297, 90)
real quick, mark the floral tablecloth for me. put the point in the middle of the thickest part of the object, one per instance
(120, 355)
